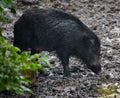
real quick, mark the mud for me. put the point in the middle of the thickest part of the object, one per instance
(101, 16)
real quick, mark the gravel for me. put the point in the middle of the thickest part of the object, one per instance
(101, 16)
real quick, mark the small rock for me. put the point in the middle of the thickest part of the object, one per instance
(52, 59)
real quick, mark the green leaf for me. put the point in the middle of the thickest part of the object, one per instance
(4, 18)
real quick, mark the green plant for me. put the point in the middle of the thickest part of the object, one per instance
(12, 63)
(9, 4)
(108, 90)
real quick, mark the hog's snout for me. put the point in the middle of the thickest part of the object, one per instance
(95, 68)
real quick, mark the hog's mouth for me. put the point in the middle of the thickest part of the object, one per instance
(95, 68)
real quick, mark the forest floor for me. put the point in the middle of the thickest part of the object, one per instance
(102, 17)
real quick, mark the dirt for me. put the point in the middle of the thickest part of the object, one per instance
(102, 17)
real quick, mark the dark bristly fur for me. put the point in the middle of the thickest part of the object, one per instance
(51, 29)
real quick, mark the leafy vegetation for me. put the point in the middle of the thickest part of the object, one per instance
(12, 63)
(108, 90)
(6, 4)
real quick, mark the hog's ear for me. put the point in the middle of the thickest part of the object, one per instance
(92, 41)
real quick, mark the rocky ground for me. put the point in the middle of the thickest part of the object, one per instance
(101, 16)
